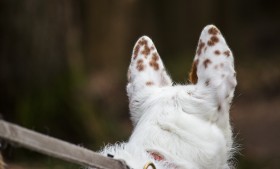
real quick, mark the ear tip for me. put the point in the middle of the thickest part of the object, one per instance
(142, 41)
(211, 35)
(211, 29)
(210, 26)
(144, 38)
(145, 45)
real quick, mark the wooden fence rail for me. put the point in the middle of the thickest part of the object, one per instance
(57, 148)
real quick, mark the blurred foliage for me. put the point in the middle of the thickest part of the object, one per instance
(63, 66)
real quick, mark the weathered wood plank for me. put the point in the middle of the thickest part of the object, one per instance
(56, 148)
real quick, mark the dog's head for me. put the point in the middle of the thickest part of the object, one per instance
(208, 94)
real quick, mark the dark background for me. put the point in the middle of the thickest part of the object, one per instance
(63, 68)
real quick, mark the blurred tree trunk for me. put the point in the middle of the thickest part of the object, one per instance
(42, 69)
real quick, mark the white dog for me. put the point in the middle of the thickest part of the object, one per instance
(180, 126)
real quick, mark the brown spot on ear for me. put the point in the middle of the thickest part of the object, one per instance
(213, 31)
(140, 43)
(221, 65)
(136, 51)
(146, 51)
(227, 53)
(217, 52)
(154, 64)
(207, 82)
(149, 83)
(192, 75)
(207, 62)
(200, 47)
(140, 65)
(219, 108)
(216, 67)
(155, 57)
(143, 41)
(210, 43)
(213, 40)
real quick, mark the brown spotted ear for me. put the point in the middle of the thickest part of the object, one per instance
(208, 38)
(146, 68)
(213, 66)
(211, 43)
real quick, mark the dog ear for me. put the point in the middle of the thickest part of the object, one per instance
(146, 69)
(213, 67)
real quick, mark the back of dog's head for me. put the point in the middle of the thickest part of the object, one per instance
(186, 126)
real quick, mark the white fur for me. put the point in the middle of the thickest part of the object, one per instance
(186, 124)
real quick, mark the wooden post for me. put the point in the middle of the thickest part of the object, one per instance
(57, 148)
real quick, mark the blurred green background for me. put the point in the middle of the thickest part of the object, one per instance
(63, 68)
